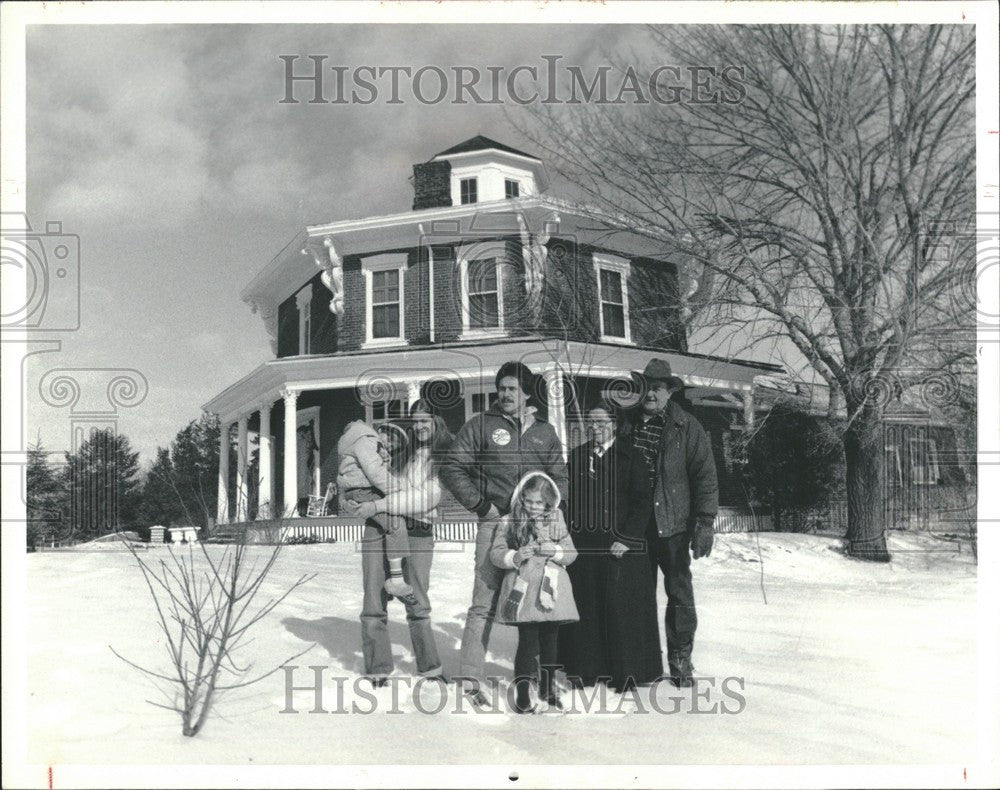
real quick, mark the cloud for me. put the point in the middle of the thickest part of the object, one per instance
(115, 140)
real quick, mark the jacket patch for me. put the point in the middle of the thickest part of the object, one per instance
(501, 436)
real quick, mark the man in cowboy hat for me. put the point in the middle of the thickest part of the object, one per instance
(673, 499)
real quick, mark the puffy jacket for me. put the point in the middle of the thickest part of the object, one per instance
(531, 570)
(686, 488)
(361, 466)
(490, 455)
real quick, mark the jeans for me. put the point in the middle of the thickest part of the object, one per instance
(672, 556)
(397, 541)
(536, 655)
(485, 592)
(375, 643)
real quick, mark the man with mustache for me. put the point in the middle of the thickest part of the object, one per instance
(673, 495)
(490, 454)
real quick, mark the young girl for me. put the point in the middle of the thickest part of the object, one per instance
(534, 546)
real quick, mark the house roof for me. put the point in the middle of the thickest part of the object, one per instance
(470, 361)
(480, 143)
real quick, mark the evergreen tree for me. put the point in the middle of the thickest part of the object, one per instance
(194, 454)
(160, 501)
(103, 484)
(46, 499)
(793, 462)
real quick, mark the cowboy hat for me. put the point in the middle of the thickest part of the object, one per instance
(659, 370)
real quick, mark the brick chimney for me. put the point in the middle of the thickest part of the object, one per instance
(432, 184)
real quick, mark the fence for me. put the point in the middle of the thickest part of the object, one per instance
(327, 531)
(731, 520)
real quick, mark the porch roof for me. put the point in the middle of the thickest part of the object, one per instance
(469, 361)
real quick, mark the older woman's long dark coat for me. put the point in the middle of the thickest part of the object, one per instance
(618, 633)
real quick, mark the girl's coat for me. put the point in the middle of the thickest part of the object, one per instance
(551, 528)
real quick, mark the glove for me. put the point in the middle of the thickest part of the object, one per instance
(701, 539)
(512, 606)
(547, 593)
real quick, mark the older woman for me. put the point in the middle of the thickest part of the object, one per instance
(414, 495)
(617, 637)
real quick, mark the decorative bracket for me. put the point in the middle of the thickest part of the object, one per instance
(269, 314)
(333, 274)
(535, 254)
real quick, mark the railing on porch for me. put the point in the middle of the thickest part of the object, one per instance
(326, 530)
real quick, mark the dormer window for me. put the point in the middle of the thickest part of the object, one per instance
(612, 295)
(384, 299)
(469, 190)
(511, 188)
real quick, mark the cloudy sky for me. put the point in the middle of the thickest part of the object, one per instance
(167, 150)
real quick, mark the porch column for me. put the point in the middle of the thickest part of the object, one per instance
(266, 463)
(222, 508)
(748, 410)
(291, 454)
(241, 469)
(555, 385)
(412, 393)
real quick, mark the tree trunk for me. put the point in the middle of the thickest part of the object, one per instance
(863, 457)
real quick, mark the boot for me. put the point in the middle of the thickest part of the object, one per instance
(522, 703)
(554, 703)
(479, 701)
(679, 662)
(548, 691)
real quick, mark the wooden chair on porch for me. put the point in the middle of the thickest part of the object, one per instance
(318, 505)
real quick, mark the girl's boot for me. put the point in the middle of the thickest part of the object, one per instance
(548, 691)
(522, 701)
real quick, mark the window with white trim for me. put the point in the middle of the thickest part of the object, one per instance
(383, 411)
(468, 189)
(612, 296)
(481, 401)
(924, 461)
(384, 299)
(385, 304)
(303, 301)
(484, 294)
(511, 188)
(893, 465)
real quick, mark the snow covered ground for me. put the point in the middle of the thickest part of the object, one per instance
(838, 662)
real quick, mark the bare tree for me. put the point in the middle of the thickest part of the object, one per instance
(811, 196)
(206, 604)
(206, 607)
